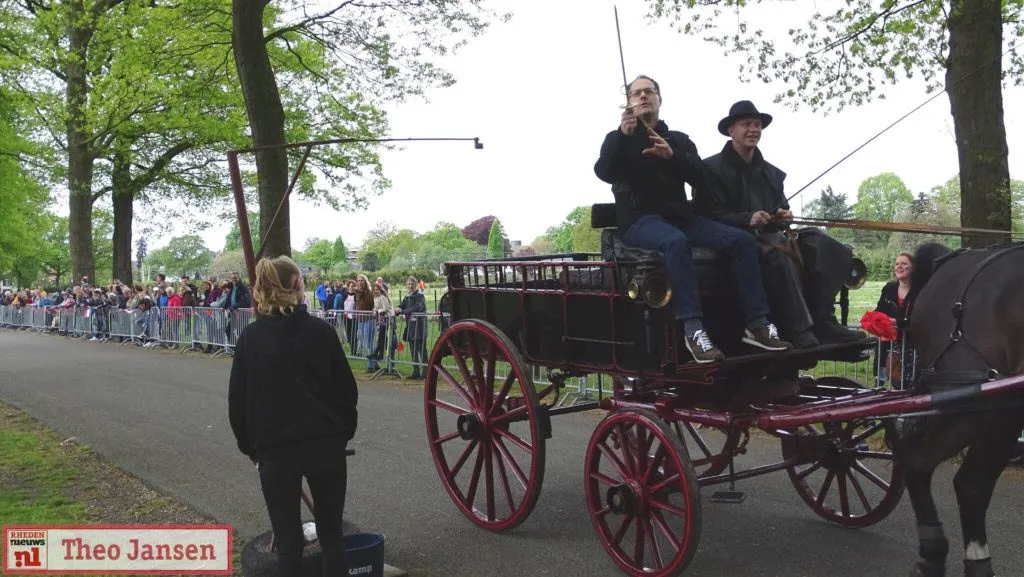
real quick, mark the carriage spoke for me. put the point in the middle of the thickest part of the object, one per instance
(860, 492)
(499, 458)
(668, 508)
(467, 378)
(478, 375)
(506, 456)
(628, 454)
(868, 433)
(875, 455)
(638, 544)
(659, 520)
(665, 483)
(474, 482)
(659, 563)
(509, 416)
(492, 366)
(823, 492)
(449, 407)
(860, 468)
(447, 438)
(462, 460)
(515, 440)
(489, 472)
(844, 499)
(604, 479)
(620, 467)
(701, 443)
(454, 385)
(803, 474)
(499, 399)
(659, 457)
(617, 538)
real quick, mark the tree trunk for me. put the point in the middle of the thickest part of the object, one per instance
(80, 158)
(976, 102)
(266, 121)
(123, 196)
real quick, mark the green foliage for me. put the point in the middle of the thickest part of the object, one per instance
(948, 195)
(561, 235)
(183, 255)
(226, 263)
(320, 253)
(396, 277)
(831, 205)
(881, 197)
(840, 58)
(543, 245)
(233, 240)
(22, 197)
(339, 253)
(495, 244)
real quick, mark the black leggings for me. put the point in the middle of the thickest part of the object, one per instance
(281, 481)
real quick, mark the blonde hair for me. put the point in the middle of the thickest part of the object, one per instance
(273, 291)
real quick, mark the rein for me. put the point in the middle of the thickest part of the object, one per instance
(858, 224)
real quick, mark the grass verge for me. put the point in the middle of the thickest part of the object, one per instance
(49, 480)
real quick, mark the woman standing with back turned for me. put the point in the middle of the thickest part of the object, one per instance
(292, 406)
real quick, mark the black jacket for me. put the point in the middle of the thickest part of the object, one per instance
(644, 184)
(291, 385)
(888, 303)
(737, 189)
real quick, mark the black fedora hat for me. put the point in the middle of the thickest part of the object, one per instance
(742, 109)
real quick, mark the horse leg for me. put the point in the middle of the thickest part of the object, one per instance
(975, 482)
(920, 453)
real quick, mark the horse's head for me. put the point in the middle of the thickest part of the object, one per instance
(925, 262)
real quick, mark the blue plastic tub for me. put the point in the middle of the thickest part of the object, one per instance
(365, 552)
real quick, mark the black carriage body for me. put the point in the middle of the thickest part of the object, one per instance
(574, 312)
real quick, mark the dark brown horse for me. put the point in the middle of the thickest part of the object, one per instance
(967, 325)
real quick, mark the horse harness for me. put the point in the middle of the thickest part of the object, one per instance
(948, 378)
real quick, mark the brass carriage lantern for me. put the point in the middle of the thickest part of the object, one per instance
(652, 286)
(858, 274)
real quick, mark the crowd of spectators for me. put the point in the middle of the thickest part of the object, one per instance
(153, 297)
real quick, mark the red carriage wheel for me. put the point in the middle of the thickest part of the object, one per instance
(645, 512)
(712, 445)
(847, 473)
(484, 425)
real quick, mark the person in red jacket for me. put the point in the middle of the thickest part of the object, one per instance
(292, 407)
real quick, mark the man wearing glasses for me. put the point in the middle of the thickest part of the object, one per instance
(647, 165)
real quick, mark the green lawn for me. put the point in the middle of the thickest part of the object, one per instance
(47, 480)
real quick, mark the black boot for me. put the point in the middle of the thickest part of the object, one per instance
(829, 331)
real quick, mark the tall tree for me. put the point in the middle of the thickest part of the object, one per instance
(373, 56)
(495, 244)
(22, 198)
(850, 55)
(479, 230)
(562, 234)
(881, 197)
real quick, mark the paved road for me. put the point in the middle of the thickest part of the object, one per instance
(162, 416)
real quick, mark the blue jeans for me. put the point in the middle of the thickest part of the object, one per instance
(738, 247)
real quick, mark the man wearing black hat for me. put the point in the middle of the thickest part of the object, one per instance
(745, 191)
(647, 165)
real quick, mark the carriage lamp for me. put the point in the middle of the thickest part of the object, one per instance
(652, 286)
(858, 274)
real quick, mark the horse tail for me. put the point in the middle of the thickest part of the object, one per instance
(926, 260)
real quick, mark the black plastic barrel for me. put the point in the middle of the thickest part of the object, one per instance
(365, 552)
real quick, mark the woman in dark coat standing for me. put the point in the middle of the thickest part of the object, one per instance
(414, 307)
(292, 406)
(893, 303)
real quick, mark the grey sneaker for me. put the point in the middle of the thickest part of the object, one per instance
(766, 337)
(703, 350)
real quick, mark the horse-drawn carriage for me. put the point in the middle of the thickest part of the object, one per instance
(672, 425)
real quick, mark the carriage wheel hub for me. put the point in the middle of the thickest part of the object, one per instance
(623, 499)
(469, 426)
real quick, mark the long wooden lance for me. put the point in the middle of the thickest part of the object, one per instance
(858, 224)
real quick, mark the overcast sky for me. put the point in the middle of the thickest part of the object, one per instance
(542, 90)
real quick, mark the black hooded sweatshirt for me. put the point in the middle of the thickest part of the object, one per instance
(644, 184)
(291, 388)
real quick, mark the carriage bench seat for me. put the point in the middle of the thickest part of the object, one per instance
(613, 248)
